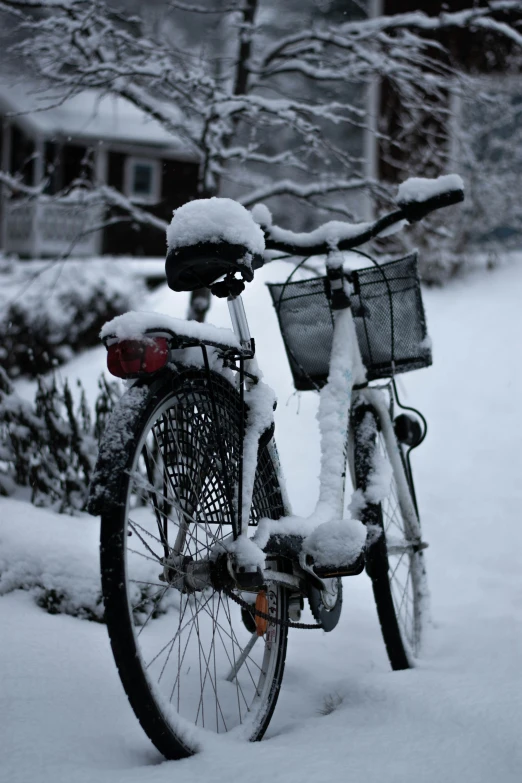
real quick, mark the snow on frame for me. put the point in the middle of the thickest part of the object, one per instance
(419, 189)
(215, 220)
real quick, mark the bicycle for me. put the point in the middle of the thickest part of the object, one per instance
(203, 568)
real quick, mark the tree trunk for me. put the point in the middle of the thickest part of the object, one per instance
(200, 298)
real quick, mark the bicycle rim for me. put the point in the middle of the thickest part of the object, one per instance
(398, 575)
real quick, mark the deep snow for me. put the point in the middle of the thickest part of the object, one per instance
(457, 717)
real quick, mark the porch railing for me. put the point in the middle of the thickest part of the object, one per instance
(51, 228)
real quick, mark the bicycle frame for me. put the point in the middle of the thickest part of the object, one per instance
(197, 450)
(346, 377)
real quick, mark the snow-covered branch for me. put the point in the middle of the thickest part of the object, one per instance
(301, 191)
(193, 8)
(15, 185)
(350, 34)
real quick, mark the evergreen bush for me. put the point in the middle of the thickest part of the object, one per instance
(50, 445)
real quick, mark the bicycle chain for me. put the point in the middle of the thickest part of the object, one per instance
(265, 616)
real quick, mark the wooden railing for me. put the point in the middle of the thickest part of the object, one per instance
(51, 228)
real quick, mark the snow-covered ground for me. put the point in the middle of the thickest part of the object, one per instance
(456, 717)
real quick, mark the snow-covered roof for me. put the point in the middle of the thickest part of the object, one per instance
(90, 115)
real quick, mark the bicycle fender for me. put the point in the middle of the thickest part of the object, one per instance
(118, 442)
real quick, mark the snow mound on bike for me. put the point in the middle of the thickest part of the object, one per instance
(418, 189)
(214, 220)
(135, 324)
(380, 479)
(336, 543)
(245, 551)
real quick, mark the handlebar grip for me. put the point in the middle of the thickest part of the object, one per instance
(417, 210)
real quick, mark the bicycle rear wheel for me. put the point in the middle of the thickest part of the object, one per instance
(394, 557)
(189, 658)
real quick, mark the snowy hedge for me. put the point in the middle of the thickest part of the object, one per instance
(48, 314)
(50, 445)
(55, 558)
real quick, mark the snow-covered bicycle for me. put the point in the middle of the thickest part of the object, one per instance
(204, 569)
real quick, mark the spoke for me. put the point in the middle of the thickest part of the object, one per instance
(197, 525)
(215, 667)
(147, 547)
(163, 533)
(396, 567)
(180, 630)
(201, 682)
(145, 531)
(239, 687)
(404, 595)
(235, 641)
(152, 610)
(213, 682)
(147, 598)
(226, 609)
(144, 582)
(140, 554)
(181, 659)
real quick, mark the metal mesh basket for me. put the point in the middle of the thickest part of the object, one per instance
(389, 320)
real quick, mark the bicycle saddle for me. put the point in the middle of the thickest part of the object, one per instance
(200, 265)
(211, 238)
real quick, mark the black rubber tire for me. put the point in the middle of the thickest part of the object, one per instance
(401, 631)
(183, 399)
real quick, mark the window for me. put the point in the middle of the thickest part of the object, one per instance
(142, 180)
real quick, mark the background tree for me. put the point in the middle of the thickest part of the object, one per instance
(273, 99)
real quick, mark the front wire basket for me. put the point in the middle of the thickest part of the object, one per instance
(389, 321)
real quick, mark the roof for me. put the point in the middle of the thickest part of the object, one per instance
(90, 115)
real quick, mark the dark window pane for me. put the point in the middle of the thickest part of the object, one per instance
(142, 180)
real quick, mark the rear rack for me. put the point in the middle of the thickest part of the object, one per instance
(180, 333)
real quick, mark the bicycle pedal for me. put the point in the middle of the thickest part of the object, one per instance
(351, 569)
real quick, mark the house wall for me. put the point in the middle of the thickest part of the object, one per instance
(65, 163)
(179, 181)
(22, 152)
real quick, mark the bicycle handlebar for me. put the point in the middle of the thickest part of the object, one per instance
(411, 210)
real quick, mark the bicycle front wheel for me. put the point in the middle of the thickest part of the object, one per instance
(394, 557)
(190, 659)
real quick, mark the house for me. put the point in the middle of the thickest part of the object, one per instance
(91, 135)
(478, 52)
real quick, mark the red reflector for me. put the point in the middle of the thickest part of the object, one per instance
(133, 357)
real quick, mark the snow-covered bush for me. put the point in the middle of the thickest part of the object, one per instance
(50, 445)
(55, 559)
(48, 315)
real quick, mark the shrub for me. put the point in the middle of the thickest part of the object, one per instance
(48, 316)
(51, 445)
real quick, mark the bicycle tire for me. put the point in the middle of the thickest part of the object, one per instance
(177, 419)
(394, 562)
